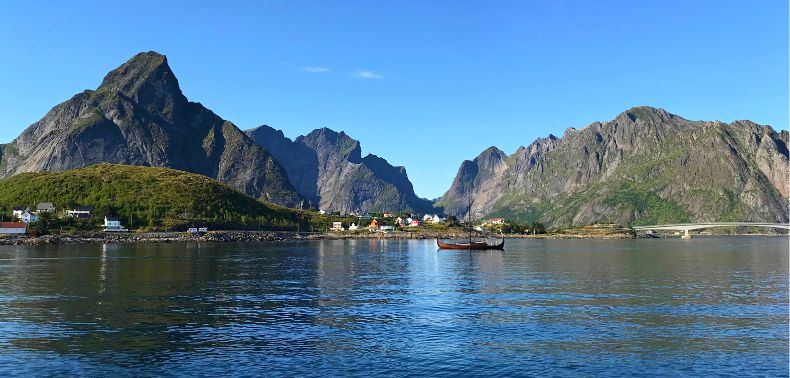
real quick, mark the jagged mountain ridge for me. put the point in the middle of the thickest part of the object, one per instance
(327, 168)
(139, 116)
(645, 166)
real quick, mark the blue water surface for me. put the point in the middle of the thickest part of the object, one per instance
(710, 306)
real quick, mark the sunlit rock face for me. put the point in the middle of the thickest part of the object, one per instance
(138, 116)
(645, 166)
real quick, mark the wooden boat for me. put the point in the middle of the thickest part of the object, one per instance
(473, 245)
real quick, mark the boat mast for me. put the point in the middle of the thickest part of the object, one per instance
(469, 218)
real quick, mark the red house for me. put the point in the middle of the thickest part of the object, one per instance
(16, 228)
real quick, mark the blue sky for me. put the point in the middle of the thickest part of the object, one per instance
(424, 84)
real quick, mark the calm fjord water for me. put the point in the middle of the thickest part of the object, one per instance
(706, 306)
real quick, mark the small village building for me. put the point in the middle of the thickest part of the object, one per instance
(80, 212)
(427, 218)
(17, 212)
(409, 220)
(12, 228)
(437, 219)
(45, 207)
(399, 220)
(322, 212)
(337, 226)
(415, 223)
(374, 224)
(365, 217)
(387, 228)
(28, 217)
(353, 227)
(113, 224)
(388, 215)
(496, 221)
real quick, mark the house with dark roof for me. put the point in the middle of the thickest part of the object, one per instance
(45, 207)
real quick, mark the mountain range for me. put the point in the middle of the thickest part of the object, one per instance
(645, 166)
(327, 169)
(139, 116)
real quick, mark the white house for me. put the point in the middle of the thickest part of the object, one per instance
(28, 217)
(387, 228)
(496, 221)
(337, 226)
(437, 219)
(414, 223)
(45, 207)
(112, 224)
(427, 218)
(322, 212)
(17, 212)
(408, 220)
(353, 227)
(7, 228)
(399, 220)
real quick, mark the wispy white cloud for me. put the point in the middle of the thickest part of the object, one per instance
(316, 69)
(367, 75)
(310, 69)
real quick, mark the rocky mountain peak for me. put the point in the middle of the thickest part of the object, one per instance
(265, 131)
(540, 145)
(326, 168)
(493, 150)
(490, 157)
(328, 141)
(146, 79)
(647, 166)
(645, 114)
(138, 116)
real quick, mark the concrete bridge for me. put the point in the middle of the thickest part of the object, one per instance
(686, 227)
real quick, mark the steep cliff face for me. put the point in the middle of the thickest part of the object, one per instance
(139, 116)
(327, 168)
(645, 166)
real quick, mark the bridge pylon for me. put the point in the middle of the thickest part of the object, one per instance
(686, 235)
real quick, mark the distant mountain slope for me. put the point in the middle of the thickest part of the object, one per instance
(646, 166)
(138, 116)
(326, 167)
(151, 195)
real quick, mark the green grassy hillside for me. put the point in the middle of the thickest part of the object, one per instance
(154, 198)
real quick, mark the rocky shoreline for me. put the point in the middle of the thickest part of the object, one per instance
(254, 236)
(158, 237)
(263, 236)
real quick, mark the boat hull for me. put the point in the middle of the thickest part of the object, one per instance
(473, 246)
